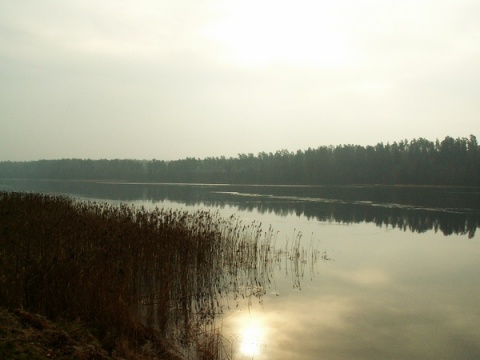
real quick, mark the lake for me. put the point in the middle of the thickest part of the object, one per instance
(398, 277)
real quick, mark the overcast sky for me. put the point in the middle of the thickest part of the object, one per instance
(170, 79)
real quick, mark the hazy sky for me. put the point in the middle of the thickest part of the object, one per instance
(168, 79)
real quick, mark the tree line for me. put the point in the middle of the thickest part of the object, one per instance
(417, 162)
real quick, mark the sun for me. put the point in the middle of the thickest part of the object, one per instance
(303, 32)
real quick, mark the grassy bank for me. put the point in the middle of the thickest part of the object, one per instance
(28, 336)
(132, 276)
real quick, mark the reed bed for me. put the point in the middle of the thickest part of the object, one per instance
(133, 274)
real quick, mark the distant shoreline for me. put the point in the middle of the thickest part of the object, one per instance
(126, 182)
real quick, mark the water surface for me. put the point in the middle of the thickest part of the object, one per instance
(401, 282)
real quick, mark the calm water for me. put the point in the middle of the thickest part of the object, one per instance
(402, 281)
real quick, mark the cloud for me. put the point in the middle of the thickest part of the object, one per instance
(225, 77)
(112, 29)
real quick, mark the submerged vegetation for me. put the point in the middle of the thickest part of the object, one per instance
(136, 277)
(453, 162)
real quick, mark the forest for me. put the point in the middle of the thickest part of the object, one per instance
(449, 162)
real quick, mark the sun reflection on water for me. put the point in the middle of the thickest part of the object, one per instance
(252, 334)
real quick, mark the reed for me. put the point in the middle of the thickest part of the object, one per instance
(133, 275)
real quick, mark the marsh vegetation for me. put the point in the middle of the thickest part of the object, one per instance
(137, 277)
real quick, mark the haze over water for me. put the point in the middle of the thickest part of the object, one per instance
(217, 79)
(399, 282)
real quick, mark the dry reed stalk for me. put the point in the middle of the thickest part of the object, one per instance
(129, 272)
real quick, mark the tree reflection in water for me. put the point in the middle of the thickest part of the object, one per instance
(417, 209)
